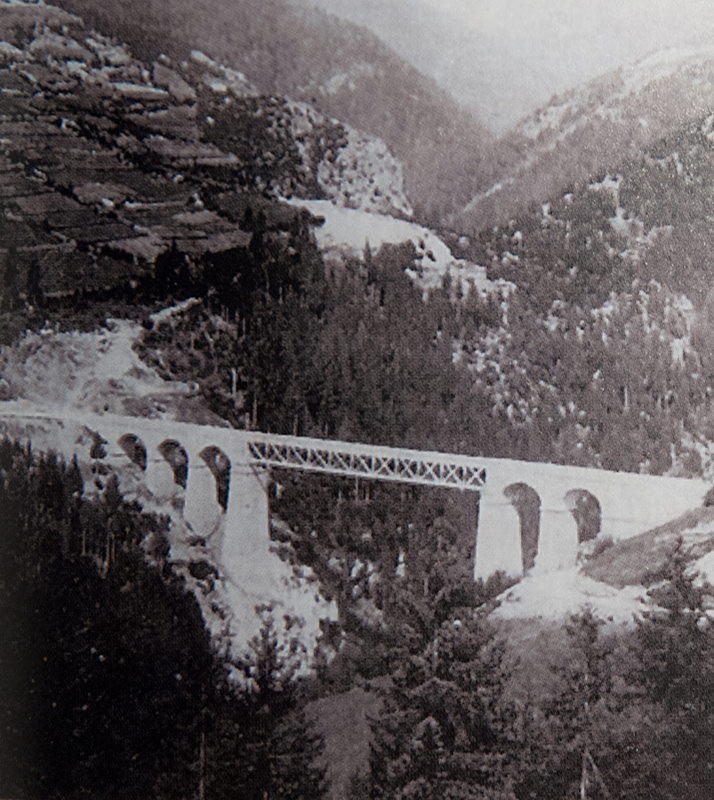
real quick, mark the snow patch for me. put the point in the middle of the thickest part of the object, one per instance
(708, 127)
(347, 230)
(549, 117)
(609, 184)
(268, 581)
(662, 64)
(558, 594)
(94, 371)
(704, 568)
(340, 80)
(222, 79)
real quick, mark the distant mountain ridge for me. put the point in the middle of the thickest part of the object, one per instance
(579, 134)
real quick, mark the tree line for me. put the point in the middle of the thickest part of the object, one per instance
(110, 684)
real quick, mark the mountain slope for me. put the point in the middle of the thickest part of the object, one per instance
(611, 318)
(577, 135)
(342, 69)
(111, 166)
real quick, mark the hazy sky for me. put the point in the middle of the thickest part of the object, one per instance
(504, 58)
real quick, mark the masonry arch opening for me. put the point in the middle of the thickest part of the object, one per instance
(134, 448)
(220, 465)
(177, 458)
(527, 503)
(586, 510)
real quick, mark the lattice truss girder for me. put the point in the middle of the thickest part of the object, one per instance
(429, 472)
(337, 458)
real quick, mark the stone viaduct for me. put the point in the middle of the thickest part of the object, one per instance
(218, 478)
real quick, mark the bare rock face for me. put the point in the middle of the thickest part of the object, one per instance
(363, 174)
(107, 161)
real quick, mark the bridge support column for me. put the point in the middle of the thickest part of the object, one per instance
(201, 508)
(558, 545)
(245, 549)
(159, 475)
(498, 540)
(248, 515)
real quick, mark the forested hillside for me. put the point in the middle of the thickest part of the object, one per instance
(587, 129)
(357, 79)
(129, 186)
(169, 193)
(613, 297)
(110, 685)
(131, 195)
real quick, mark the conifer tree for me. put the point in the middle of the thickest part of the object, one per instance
(434, 738)
(437, 735)
(275, 749)
(676, 652)
(104, 661)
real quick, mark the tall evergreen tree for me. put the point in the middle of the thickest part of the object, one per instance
(676, 651)
(434, 737)
(274, 750)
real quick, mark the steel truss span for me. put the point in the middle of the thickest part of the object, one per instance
(427, 468)
(404, 469)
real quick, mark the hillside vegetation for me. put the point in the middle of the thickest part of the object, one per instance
(175, 196)
(130, 186)
(587, 129)
(357, 79)
(110, 685)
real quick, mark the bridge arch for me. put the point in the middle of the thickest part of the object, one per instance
(220, 466)
(586, 511)
(134, 448)
(526, 500)
(576, 502)
(177, 457)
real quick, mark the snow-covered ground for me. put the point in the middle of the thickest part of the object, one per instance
(349, 231)
(555, 595)
(704, 568)
(663, 63)
(96, 372)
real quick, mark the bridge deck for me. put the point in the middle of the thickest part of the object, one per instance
(381, 463)
(426, 468)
